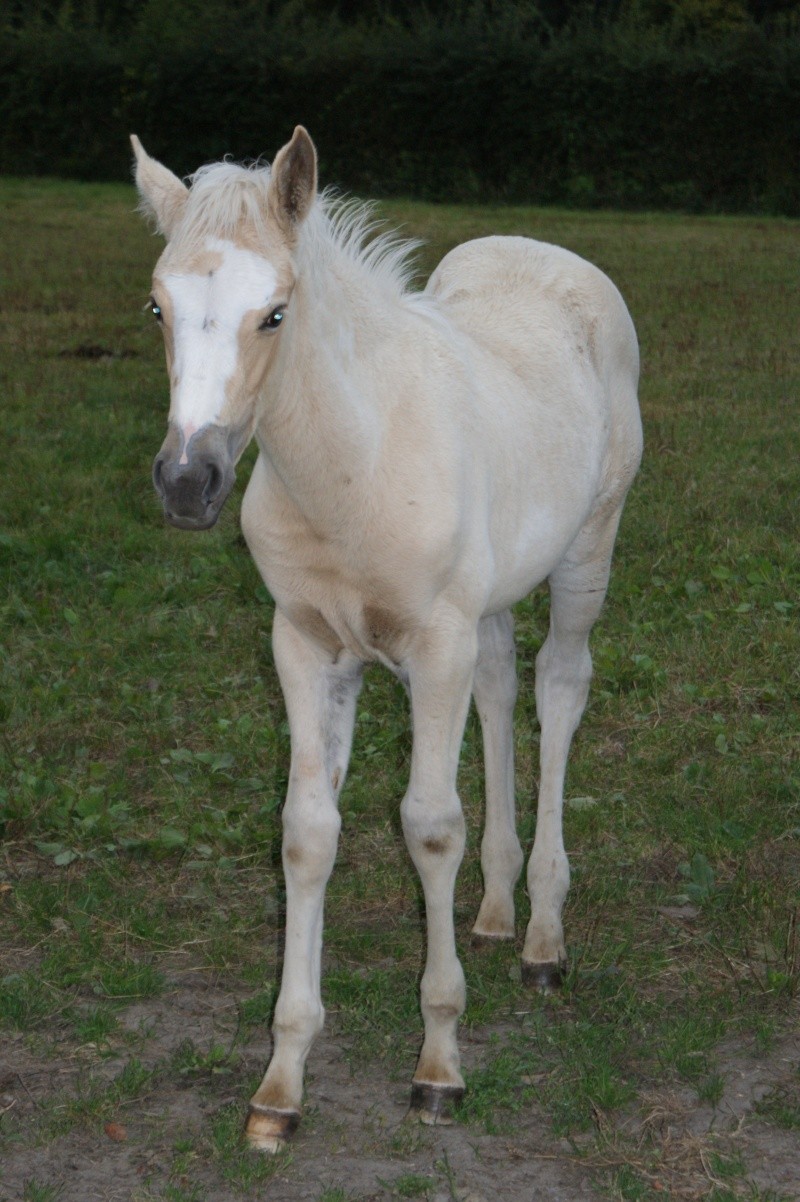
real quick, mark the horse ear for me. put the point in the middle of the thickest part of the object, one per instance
(293, 182)
(163, 196)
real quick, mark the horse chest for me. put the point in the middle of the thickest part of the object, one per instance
(372, 631)
(328, 592)
(333, 612)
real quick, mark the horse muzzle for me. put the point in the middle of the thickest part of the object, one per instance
(194, 477)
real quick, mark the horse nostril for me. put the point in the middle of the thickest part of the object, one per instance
(158, 470)
(213, 483)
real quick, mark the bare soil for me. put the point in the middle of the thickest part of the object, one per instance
(355, 1136)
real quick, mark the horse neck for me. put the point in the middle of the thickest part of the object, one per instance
(323, 415)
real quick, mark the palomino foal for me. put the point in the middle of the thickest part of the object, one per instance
(425, 460)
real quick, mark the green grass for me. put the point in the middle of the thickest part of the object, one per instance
(33, 1192)
(411, 1185)
(144, 749)
(781, 1105)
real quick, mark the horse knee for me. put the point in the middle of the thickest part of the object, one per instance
(433, 833)
(310, 838)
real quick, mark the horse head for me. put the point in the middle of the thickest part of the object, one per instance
(221, 293)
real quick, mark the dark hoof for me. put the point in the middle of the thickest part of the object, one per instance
(547, 976)
(434, 1104)
(267, 1130)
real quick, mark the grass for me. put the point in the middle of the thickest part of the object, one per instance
(32, 1192)
(144, 747)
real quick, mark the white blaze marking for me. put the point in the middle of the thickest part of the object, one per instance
(208, 310)
(188, 430)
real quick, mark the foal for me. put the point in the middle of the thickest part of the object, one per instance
(426, 459)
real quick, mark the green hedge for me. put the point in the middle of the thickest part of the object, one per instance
(456, 110)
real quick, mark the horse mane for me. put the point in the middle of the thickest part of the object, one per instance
(352, 228)
(226, 197)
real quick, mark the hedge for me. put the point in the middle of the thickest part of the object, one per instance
(442, 111)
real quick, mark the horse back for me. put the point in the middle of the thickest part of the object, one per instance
(531, 301)
(560, 325)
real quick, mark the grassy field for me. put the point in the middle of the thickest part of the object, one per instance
(144, 755)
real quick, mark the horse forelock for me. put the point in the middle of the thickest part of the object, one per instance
(225, 200)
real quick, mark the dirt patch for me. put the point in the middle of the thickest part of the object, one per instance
(168, 1140)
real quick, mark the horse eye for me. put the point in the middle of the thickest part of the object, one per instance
(155, 310)
(273, 321)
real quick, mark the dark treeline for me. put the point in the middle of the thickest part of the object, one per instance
(691, 104)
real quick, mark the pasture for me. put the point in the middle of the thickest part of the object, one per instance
(145, 753)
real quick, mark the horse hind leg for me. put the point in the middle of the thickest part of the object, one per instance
(495, 692)
(563, 672)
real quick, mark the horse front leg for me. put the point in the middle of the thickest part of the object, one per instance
(440, 675)
(320, 696)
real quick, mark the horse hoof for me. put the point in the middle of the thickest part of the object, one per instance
(267, 1130)
(433, 1105)
(547, 976)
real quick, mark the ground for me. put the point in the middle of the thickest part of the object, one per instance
(355, 1141)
